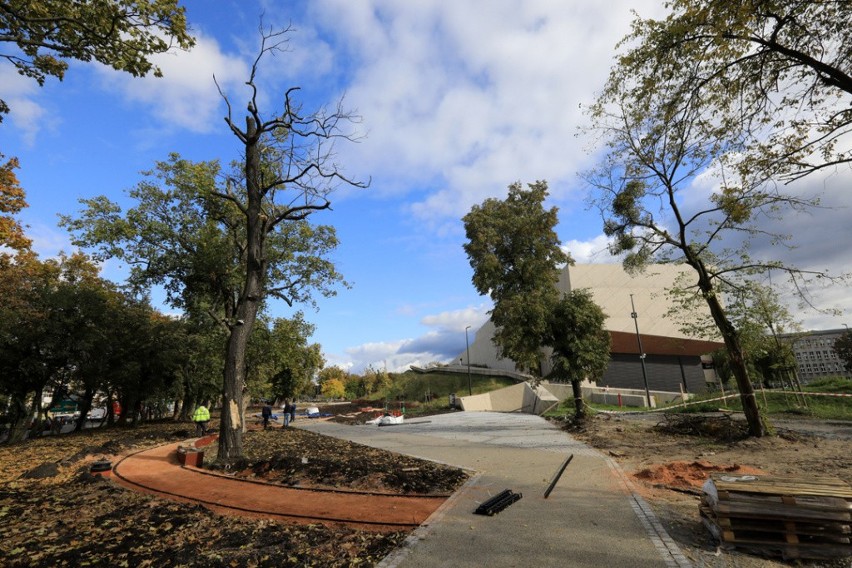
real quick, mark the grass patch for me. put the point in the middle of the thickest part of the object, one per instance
(775, 403)
(411, 386)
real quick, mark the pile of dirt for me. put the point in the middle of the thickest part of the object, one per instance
(687, 475)
(295, 457)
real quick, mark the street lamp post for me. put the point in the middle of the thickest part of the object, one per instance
(635, 317)
(467, 349)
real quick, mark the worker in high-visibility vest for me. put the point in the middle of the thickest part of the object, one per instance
(201, 417)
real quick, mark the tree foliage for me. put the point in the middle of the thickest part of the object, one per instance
(333, 388)
(759, 316)
(65, 330)
(12, 201)
(333, 372)
(580, 345)
(689, 98)
(515, 255)
(228, 243)
(843, 348)
(578, 339)
(43, 35)
(775, 75)
(284, 359)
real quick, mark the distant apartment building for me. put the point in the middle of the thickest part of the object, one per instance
(815, 355)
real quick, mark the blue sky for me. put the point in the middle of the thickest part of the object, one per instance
(458, 100)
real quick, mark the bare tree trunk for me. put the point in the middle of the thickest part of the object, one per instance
(579, 409)
(232, 423)
(737, 362)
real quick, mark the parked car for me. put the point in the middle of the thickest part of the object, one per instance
(96, 414)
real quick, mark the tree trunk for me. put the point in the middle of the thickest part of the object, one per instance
(18, 429)
(579, 409)
(232, 418)
(736, 357)
(86, 406)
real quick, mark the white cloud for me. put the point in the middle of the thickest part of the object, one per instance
(439, 344)
(590, 252)
(47, 241)
(186, 95)
(20, 93)
(471, 98)
(377, 354)
(457, 320)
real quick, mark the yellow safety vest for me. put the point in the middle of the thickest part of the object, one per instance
(201, 414)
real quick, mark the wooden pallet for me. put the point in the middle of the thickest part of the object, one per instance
(790, 517)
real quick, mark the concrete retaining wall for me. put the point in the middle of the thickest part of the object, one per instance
(524, 398)
(516, 398)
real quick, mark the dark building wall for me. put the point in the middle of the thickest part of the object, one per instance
(665, 373)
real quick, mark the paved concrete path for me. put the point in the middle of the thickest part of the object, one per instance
(591, 518)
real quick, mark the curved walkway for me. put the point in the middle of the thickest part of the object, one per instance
(592, 518)
(157, 471)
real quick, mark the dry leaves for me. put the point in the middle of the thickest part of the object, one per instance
(64, 516)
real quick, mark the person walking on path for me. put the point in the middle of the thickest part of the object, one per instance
(201, 417)
(266, 413)
(293, 411)
(286, 411)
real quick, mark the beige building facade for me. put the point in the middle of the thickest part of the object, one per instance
(672, 359)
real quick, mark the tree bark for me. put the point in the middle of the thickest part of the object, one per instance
(736, 356)
(85, 407)
(18, 429)
(579, 410)
(231, 425)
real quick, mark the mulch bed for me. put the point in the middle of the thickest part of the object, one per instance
(54, 512)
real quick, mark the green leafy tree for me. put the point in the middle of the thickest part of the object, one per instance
(372, 381)
(292, 361)
(12, 201)
(661, 133)
(150, 359)
(333, 372)
(200, 373)
(31, 356)
(843, 348)
(758, 315)
(66, 330)
(354, 386)
(333, 388)
(580, 344)
(181, 235)
(774, 74)
(515, 255)
(41, 36)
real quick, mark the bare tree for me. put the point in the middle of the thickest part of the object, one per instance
(287, 174)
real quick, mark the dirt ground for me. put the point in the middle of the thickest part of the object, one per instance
(53, 512)
(669, 459)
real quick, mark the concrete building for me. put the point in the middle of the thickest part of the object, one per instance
(672, 360)
(815, 355)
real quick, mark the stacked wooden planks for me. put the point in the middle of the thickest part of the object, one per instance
(793, 517)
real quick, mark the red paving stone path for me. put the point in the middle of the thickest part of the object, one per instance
(158, 472)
